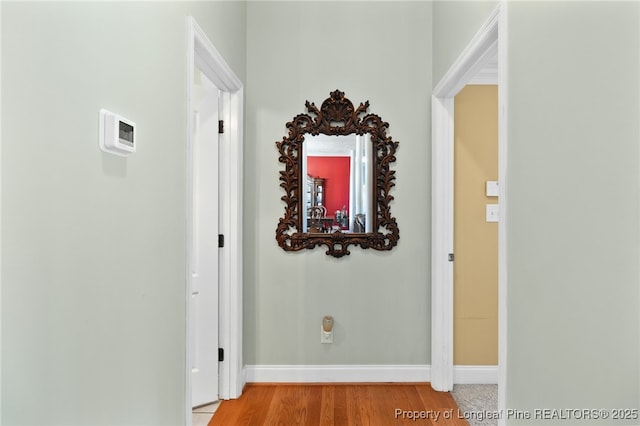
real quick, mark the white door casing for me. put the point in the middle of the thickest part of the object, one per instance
(489, 41)
(202, 55)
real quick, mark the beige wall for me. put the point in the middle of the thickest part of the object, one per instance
(475, 240)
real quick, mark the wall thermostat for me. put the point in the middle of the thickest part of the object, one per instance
(117, 134)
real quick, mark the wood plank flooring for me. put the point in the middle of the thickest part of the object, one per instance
(327, 404)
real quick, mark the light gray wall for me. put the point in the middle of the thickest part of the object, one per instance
(90, 342)
(300, 51)
(456, 24)
(573, 205)
(93, 269)
(573, 208)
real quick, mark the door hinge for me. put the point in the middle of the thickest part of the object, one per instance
(220, 354)
(451, 257)
(220, 240)
(220, 126)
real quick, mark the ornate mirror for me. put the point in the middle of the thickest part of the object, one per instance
(337, 179)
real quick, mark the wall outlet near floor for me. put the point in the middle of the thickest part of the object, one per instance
(326, 337)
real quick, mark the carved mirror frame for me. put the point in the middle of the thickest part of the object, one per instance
(337, 116)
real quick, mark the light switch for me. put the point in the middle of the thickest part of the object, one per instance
(493, 213)
(493, 190)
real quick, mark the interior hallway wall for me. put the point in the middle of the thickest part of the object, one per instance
(376, 51)
(457, 23)
(574, 281)
(573, 130)
(93, 245)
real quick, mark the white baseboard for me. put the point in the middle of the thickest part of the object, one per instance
(475, 374)
(462, 374)
(337, 373)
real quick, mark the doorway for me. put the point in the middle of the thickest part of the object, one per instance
(489, 42)
(214, 121)
(475, 233)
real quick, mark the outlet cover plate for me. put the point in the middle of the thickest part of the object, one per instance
(326, 337)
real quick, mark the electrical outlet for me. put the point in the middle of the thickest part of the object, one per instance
(493, 213)
(326, 337)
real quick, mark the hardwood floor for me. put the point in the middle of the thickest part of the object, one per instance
(327, 404)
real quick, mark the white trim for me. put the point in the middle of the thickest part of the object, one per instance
(503, 173)
(202, 54)
(480, 51)
(188, 224)
(462, 374)
(490, 39)
(337, 373)
(0, 215)
(231, 299)
(487, 76)
(442, 245)
(475, 374)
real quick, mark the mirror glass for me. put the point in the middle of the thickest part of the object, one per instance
(337, 194)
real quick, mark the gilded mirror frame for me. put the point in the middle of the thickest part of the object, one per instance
(337, 116)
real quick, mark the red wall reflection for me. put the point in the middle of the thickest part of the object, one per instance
(335, 171)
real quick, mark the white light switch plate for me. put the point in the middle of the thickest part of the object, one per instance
(493, 190)
(493, 213)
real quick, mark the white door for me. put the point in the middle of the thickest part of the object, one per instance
(204, 239)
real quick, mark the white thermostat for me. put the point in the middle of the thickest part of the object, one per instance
(117, 134)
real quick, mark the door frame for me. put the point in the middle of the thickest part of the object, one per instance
(488, 41)
(202, 54)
